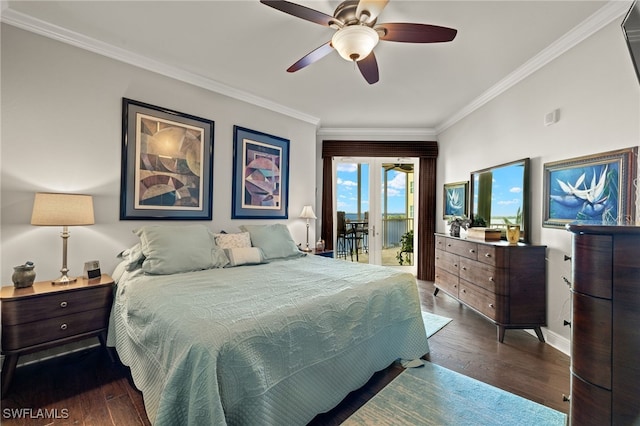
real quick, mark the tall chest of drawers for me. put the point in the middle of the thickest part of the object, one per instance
(605, 325)
(505, 283)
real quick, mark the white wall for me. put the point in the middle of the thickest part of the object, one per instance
(61, 131)
(598, 95)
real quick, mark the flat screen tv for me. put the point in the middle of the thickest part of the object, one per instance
(631, 30)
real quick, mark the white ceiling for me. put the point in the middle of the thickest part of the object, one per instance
(242, 48)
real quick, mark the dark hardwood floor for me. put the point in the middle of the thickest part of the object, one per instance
(85, 388)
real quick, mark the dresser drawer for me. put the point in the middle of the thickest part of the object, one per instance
(29, 309)
(447, 281)
(486, 276)
(488, 254)
(34, 333)
(483, 301)
(592, 264)
(591, 328)
(463, 248)
(447, 261)
(595, 404)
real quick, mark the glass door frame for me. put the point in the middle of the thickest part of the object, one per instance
(376, 206)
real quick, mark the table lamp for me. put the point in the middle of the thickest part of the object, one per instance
(307, 213)
(55, 209)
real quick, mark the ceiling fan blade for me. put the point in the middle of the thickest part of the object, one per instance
(416, 33)
(369, 68)
(370, 8)
(300, 11)
(312, 57)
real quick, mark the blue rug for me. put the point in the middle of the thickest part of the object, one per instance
(434, 395)
(433, 323)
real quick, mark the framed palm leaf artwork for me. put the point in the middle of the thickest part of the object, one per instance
(456, 199)
(596, 188)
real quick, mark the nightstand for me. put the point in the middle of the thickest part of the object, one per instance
(45, 315)
(323, 253)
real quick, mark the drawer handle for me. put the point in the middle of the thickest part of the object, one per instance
(487, 255)
(455, 264)
(63, 304)
(472, 251)
(448, 245)
(63, 327)
(491, 305)
(491, 279)
(464, 268)
(464, 291)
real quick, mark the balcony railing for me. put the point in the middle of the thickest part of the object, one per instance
(393, 229)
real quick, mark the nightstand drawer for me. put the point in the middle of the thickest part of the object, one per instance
(34, 333)
(29, 309)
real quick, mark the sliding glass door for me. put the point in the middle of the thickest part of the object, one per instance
(374, 210)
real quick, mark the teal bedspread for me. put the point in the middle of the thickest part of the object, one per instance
(269, 344)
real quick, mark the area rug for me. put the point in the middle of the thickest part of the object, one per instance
(433, 323)
(434, 395)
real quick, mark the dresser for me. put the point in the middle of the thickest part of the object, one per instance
(605, 325)
(45, 315)
(505, 283)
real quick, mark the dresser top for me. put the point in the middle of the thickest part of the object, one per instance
(45, 287)
(599, 228)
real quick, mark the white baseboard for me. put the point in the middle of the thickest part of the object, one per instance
(555, 340)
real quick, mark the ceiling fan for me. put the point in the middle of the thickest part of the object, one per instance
(357, 32)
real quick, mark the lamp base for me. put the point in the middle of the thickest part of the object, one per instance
(308, 250)
(64, 280)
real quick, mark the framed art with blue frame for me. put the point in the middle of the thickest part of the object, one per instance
(597, 188)
(260, 175)
(167, 164)
(455, 199)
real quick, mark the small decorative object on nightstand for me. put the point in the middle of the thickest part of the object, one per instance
(43, 316)
(23, 275)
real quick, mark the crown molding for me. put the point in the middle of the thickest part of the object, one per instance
(387, 132)
(37, 26)
(604, 16)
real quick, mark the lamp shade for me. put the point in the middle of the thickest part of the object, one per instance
(307, 213)
(355, 42)
(54, 209)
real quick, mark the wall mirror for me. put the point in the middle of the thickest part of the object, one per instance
(500, 196)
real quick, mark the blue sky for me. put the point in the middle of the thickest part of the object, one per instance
(347, 189)
(507, 191)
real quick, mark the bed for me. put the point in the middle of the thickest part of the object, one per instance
(254, 335)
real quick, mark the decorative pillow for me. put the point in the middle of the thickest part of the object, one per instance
(235, 240)
(174, 249)
(274, 240)
(244, 256)
(132, 257)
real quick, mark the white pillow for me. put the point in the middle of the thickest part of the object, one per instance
(244, 256)
(236, 240)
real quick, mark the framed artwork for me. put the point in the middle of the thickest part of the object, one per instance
(595, 188)
(260, 175)
(167, 164)
(456, 199)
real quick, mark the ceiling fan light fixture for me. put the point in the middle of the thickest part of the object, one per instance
(355, 42)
